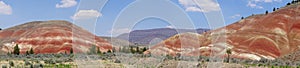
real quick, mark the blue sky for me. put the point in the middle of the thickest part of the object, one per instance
(105, 12)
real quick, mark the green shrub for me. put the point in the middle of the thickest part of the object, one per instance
(4, 66)
(11, 63)
(27, 62)
(38, 66)
(31, 66)
(117, 61)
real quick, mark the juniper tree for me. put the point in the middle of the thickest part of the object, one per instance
(98, 50)
(138, 49)
(288, 4)
(16, 50)
(293, 1)
(93, 49)
(144, 49)
(27, 52)
(71, 51)
(228, 51)
(109, 51)
(8, 53)
(31, 51)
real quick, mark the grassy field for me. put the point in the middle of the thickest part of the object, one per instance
(125, 60)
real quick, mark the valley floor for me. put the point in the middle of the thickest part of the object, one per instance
(120, 60)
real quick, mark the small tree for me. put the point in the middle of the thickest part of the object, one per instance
(11, 63)
(137, 49)
(288, 4)
(27, 52)
(93, 49)
(177, 57)
(98, 50)
(71, 51)
(109, 51)
(131, 50)
(169, 57)
(0, 29)
(8, 53)
(228, 51)
(267, 12)
(274, 9)
(242, 18)
(16, 50)
(144, 49)
(31, 51)
(293, 1)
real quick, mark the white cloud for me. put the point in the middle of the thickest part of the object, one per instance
(200, 5)
(278, 0)
(255, 3)
(66, 3)
(5, 8)
(195, 9)
(120, 31)
(235, 16)
(86, 14)
(169, 26)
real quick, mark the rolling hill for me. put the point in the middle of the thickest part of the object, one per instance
(53, 36)
(259, 36)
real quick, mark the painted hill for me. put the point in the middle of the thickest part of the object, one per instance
(146, 36)
(267, 36)
(49, 37)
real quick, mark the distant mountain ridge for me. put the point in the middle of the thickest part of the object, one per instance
(116, 41)
(146, 36)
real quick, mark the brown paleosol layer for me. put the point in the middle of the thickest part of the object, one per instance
(50, 37)
(260, 36)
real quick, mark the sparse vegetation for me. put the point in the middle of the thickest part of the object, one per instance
(58, 60)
